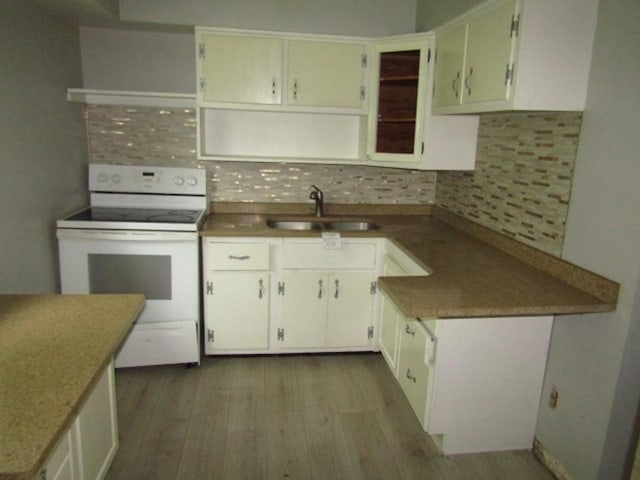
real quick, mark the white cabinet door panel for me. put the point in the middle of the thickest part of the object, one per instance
(241, 69)
(325, 74)
(237, 311)
(304, 309)
(350, 309)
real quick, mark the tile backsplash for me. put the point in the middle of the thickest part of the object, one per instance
(167, 136)
(522, 182)
(521, 186)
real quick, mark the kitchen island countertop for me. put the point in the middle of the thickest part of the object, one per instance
(53, 348)
(474, 272)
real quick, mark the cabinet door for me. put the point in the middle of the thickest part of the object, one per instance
(350, 309)
(389, 319)
(389, 333)
(325, 74)
(489, 55)
(236, 311)
(237, 69)
(449, 66)
(304, 309)
(413, 371)
(397, 108)
(61, 463)
(96, 428)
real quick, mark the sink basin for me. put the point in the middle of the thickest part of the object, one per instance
(323, 225)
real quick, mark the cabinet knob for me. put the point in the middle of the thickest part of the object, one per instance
(409, 331)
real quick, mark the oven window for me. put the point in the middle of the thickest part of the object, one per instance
(116, 273)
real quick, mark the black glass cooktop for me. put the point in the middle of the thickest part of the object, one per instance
(136, 215)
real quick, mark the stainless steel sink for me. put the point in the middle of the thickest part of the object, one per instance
(322, 225)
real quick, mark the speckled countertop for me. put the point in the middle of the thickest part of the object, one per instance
(475, 272)
(53, 349)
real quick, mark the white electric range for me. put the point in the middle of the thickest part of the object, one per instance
(140, 235)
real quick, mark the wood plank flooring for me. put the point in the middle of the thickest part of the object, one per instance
(285, 417)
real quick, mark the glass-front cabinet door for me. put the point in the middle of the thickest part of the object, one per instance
(398, 100)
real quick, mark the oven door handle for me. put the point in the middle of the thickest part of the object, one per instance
(127, 235)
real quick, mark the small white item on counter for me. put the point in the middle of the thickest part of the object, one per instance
(331, 241)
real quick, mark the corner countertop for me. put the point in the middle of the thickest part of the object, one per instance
(53, 349)
(475, 272)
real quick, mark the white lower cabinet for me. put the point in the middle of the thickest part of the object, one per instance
(273, 295)
(236, 291)
(322, 310)
(473, 383)
(86, 450)
(415, 359)
(326, 294)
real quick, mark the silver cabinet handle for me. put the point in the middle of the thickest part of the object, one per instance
(295, 88)
(337, 294)
(319, 288)
(409, 331)
(274, 86)
(242, 257)
(454, 84)
(466, 81)
(411, 377)
(260, 288)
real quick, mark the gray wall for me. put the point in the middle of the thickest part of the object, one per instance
(339, 17)
(138, 61)
(43, 151)
(433, 13)
(595, 359)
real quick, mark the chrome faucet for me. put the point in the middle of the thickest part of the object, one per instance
(318, 196)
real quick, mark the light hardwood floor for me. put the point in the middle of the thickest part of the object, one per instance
(274, 417)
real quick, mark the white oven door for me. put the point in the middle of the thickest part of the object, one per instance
(161, 265)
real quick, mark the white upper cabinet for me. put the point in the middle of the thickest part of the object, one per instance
(515, 55)
(282, 72)
(239, 69)
(325, 99)
(326, 74)
(401, 131)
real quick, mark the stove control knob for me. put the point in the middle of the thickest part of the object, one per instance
(116, 178)
(102, 177)
(192, 181)
(178, 181)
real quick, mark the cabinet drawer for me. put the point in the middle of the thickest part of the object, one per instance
(305, 256)
(237, 256)
(413, 366)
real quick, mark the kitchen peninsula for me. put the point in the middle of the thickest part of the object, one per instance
(463, 322)
(56, 359)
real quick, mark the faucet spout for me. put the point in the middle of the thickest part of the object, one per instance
(318, 196)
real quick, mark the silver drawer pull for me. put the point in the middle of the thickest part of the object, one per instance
(260, 288)
(409, 331)
(319, 288)
(243, 257)
(411, 377)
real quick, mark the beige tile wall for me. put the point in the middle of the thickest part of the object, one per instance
(521, 185)
(522, 182)
(167, 136)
